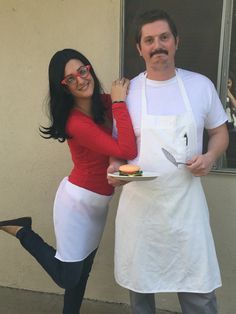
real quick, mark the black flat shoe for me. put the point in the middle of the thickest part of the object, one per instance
(22, 222)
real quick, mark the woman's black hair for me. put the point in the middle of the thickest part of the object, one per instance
(61, 102)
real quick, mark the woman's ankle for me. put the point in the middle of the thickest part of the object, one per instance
(12, 230)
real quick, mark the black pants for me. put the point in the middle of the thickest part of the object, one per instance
(72, 276)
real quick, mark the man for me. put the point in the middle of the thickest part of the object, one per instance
(163, 237)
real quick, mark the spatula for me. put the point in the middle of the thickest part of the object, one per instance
(171, 158)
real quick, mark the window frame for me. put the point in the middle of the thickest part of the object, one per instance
(223, 62)
(223, 66)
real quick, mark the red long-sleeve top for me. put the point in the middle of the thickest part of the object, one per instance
(92, 144)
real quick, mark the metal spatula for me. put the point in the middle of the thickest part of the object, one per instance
(171, 158)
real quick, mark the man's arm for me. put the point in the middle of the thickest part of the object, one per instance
(218, 142)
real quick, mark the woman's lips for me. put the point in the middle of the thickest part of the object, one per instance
(83, 87)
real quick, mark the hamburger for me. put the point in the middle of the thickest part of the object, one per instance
(130, 170)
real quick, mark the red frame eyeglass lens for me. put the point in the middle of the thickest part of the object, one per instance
(82, 72)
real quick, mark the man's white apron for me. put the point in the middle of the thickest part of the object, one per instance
(163, 237)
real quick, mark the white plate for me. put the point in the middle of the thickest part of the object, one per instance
(145, 177)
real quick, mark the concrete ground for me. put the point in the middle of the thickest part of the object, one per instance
(15, 301)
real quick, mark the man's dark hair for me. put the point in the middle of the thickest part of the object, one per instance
(150, 17)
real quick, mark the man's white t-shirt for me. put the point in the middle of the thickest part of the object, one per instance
(164, 98)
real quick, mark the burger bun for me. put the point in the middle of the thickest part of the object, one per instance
(129, 169)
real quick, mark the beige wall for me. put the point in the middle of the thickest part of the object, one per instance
(31, 168)
(221, 192)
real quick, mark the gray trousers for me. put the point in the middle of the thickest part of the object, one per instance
(191, 303)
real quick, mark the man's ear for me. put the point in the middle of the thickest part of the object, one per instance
(139, 50)
(177, 43)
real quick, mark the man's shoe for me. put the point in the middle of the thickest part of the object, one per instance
(22, 222)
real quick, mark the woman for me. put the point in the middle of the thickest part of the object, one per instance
(231, 102)
(82, 115)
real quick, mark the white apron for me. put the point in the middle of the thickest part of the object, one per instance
(163, 237)
(79, 219)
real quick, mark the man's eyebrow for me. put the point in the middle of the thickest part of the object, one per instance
(164, 33)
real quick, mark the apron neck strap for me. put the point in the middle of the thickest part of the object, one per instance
(181, 87)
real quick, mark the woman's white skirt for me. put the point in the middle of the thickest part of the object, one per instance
(79, 219)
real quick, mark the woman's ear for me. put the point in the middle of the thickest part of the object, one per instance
(66, 90)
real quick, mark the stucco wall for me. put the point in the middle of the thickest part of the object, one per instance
(31, 168)
(220, 192)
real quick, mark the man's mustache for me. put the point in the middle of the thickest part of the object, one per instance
(158, 51)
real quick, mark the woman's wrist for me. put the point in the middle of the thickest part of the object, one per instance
(117, 101)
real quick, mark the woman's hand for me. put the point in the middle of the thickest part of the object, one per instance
(229, 94)
(119, 90)
(232, 99)
(114, 167)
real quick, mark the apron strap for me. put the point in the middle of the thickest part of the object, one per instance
(193, 136)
